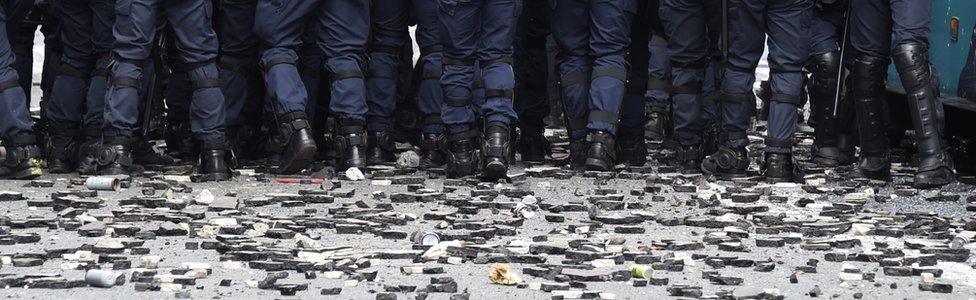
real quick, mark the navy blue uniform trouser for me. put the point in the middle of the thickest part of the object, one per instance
(787, 23)
(14, 118)
(135, 33)
(874, 21)
(390, 21)
(593, 36)
(632, 105)
(389, 35)
(659, 60)
(825, 29)
(477, 33)
(79, 88)
(238, 58)
(687, 23)
(532, 65)
(341, 31)
(430, 94)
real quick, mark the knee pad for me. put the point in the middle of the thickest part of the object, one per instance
(201, 81)
(124, 81)
(825, 64)
(912, 62)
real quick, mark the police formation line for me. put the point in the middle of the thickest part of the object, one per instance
(481, 73)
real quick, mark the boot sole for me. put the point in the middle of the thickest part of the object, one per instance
(380, 161)
(876, 175)
(59, 171)
(24, 174)
(778, 179)
(299, 162)
(931, 184)
(722, 175)
(459, 173)
(597, 165)
(213, 177)
(495, 170)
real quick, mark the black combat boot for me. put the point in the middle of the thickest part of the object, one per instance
(212, 164)
(868, 86)
(601, 151)
(533, 144)
(779, 167)
(631, 148)
(657, 123)
(88, 152)
(577, 144)
(432, 155)
(935, 166)
(830, 146)
(63, 140)
(711, 139)
(23, 158)
(462, 157)
(727, 162)
(497, 151)
(350, 145)
(380, 147)
(295, 141)
(115, 157)
(689, 159)
(577, 155)
(145, 154)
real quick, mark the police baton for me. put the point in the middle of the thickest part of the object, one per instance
(843, 56)
(151, 93)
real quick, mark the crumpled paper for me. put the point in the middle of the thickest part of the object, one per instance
(502, 274)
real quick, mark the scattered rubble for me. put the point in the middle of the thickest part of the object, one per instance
(396, 232)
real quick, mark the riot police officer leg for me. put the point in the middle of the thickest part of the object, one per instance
(688, 48)
(429, 93)
(570, 30)
(238, 64)
(531, 78)
(785, 20)
(935, 166)
(94, 120)
(609, 39)
(65, 112)
(658, 108)
(460, 26)
(278, 25)
(207, 122)
(388, 38)
(868, 74)
(828, 134)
